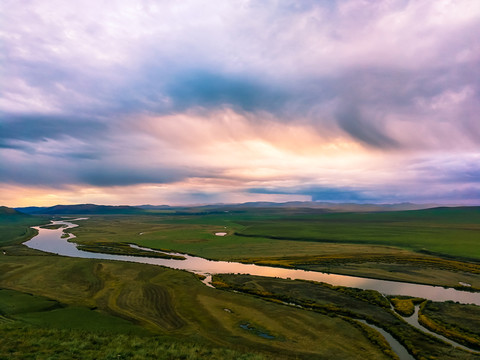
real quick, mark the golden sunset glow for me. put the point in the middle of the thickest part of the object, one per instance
(237, 101)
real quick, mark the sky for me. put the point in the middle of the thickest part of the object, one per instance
(196, 102)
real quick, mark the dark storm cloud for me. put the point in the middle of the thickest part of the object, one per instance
(73, 169)
(174, 70)
(205, 88)
(366, 100)
(155, 91)
(118, 175)
(158, 90)
(37, 127)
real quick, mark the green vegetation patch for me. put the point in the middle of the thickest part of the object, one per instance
(19, 341)
(335, 301)
(80, 318)
(459, 322)
(404, 307)
(173, 305)
(15, 229)
(45, 312)
(447, 231)
(125, 249)
(53, 226)
(15, 302)
(435, 246)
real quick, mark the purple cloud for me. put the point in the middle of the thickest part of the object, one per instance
(398, 78)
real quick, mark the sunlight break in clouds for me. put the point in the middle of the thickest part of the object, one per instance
(197, 102)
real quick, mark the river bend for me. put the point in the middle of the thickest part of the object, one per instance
(50, 240)
(56, 241)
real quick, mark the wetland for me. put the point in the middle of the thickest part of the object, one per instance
(283, 299)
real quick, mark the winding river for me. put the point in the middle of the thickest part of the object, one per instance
(51, 241)
(55, 241)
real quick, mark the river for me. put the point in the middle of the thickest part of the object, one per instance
(49, 240)
(55, 241)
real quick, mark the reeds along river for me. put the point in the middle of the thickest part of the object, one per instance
(50, 240)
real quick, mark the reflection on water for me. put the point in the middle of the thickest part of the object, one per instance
(50, 240)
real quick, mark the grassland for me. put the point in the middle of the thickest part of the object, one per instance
(42, 311)
(15, 229)
(125, 249)
(28, 342)
(459, 322)
(450, 232)
(168, 304)
(437, 247)
(48, 304)
(405, 305)
(353, 303)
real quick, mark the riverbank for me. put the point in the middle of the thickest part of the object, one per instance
(51, 241)
(362, 247)
(353, 304)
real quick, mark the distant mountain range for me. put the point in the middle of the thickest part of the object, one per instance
(324, 205)
(6, 211)
(81, 209)
(155, 207)
(91, 209)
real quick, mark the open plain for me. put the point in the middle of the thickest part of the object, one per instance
(48, 303)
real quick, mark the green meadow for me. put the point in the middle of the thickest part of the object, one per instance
(54, 307)
(15, 229)
(444, 231)
(352, 303)
(435, 246)
(452, 232)
(448, 318)
(154, 304)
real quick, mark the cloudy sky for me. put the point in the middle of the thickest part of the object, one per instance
(189, 102)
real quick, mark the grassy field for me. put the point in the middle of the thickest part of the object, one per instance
(446, 231)
(437, 247)
(125, 249)
(168, 303)
(81, 308)
(42, 311)
(27, 342)
(356, 304)
(450, 232)
(459, 322)
(15, 229)
(405, 305)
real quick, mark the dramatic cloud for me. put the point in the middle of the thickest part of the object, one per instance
(194, 101)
